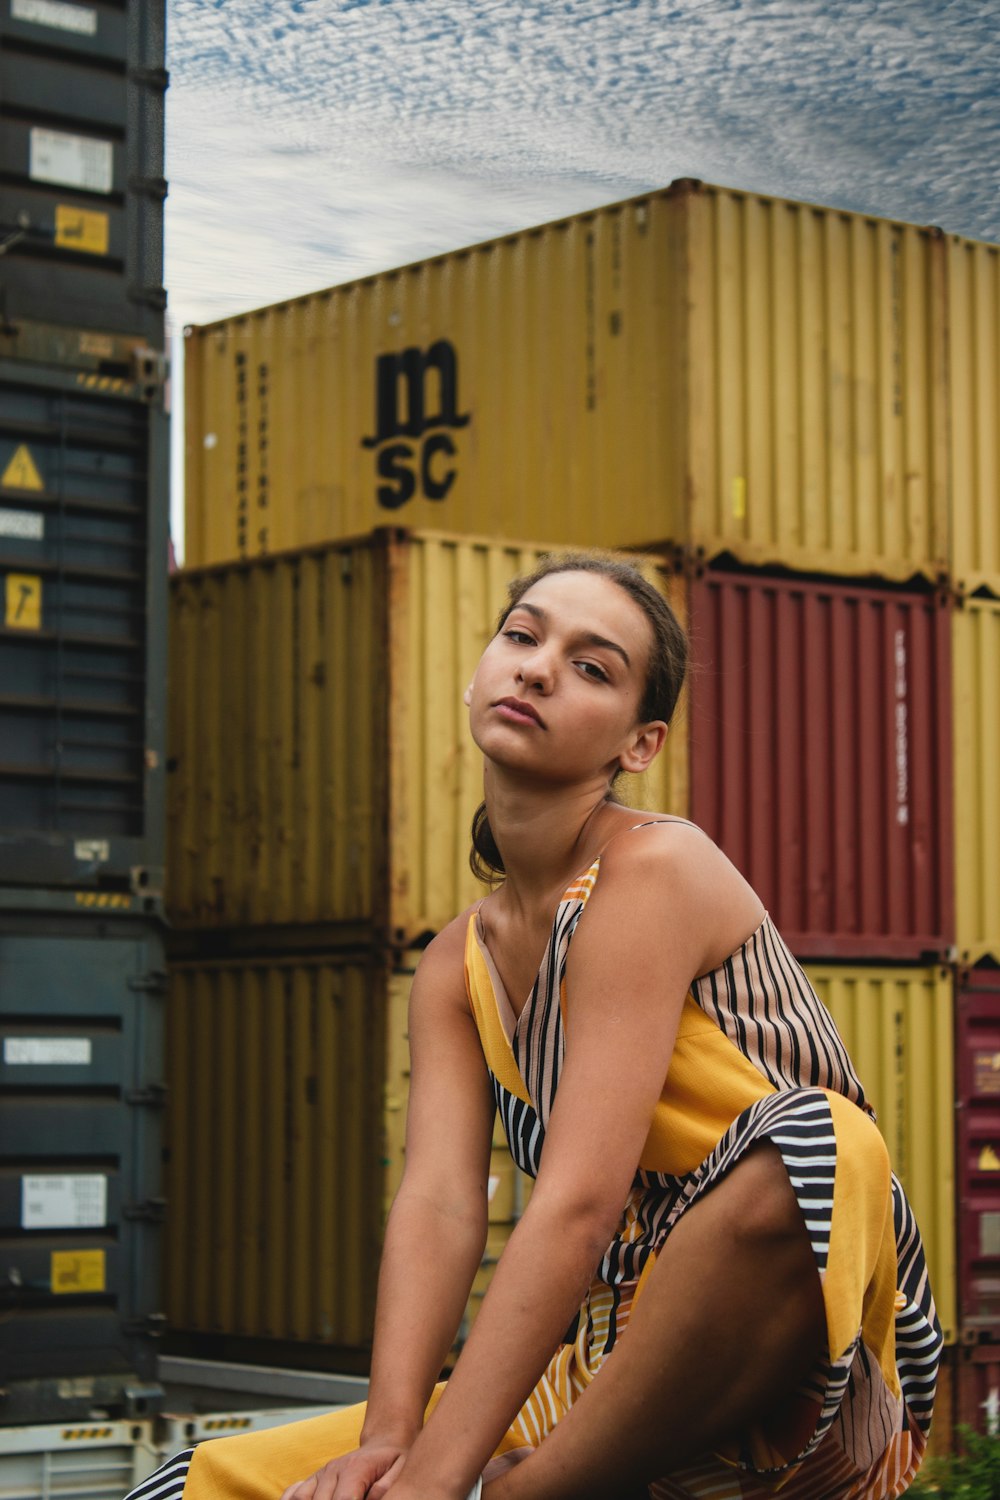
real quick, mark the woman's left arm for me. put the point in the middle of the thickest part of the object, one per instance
(642, 940)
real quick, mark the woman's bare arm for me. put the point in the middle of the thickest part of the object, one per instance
(437, 1226)
(642, 940)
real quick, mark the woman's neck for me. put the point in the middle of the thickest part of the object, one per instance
(546, 835)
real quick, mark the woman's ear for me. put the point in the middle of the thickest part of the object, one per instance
(643, 748)
(467, 696)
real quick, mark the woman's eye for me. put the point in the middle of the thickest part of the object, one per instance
(520, 637)
(591, 669)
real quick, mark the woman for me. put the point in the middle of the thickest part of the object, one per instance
(713, 1197)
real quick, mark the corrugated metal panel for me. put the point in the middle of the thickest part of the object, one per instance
(898, 1027)
(83, 529)
(816, 363)
(976, 654)
(698, 366)
(978, 1115)
(276, 716)
(81, 165)
(279, 1076)
(974, 412)
(81, 1196)
(322, 769)
(821, 758)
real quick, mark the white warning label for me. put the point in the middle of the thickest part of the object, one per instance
(47, 1051)
(77, 161)
(26, 525)
(79, 19)
(77, 1202)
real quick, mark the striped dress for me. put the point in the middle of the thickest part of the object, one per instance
(757, 1058)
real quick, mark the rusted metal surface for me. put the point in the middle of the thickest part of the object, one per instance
(978, 1116)
(898, 1025)
(712, 369)
(821, 758)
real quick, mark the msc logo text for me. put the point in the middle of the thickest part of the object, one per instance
(416, 410)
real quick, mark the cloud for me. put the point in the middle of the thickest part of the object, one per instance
(312, 141)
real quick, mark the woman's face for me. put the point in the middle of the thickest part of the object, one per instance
(558, 689)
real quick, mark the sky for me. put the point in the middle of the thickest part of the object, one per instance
(310, 142)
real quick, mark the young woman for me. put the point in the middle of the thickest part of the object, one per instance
(713, 1203)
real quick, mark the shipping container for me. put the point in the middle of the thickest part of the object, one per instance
(898, 1024)
(285, 1123)
(975, 1392)
(978, 1120)
(82, 982)
(321, 769)
(93, 1460)
(81, 169)
(821, 757)
(974, 412)
(83, 546)
(288, 1086)
(711, 369)
(976, 731)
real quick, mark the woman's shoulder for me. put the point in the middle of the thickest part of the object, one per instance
(445, 953)
(690, 876)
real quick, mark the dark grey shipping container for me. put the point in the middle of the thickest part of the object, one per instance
(82, 991)
(83, 579)
(81, 164)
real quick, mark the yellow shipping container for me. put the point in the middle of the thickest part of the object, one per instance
(321, 769)
(288, 1081)
(286, 1088)
(708, 368)
(898, 1025)
(976, 731)
(974, 412)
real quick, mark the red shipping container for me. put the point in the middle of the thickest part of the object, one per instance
(977, 1067)
(821, 758)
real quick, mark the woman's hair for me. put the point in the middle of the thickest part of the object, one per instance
(668, 659)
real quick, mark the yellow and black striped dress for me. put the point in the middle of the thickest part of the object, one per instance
(757, 1057)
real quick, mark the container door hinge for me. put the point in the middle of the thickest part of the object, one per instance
(153, 983)
(151, 1210)
(153, 1325)
(153, 1097)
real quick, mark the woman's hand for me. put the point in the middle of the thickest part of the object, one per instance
(366, 1474)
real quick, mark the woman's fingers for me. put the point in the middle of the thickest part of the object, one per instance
(388, 1479)
(302, 1489)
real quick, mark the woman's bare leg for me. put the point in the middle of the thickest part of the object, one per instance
(730, 1320)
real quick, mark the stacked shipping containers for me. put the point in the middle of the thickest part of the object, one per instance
(762, 395)
(83, 519)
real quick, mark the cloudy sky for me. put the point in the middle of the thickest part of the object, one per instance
(312, 141)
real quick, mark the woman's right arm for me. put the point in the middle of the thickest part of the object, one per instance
(436, 1231)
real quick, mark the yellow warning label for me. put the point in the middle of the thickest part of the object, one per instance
(80, 229)
(22, 473)
(739, 497)
(23, 602)
(104, 900)
(77, 1271)
(988, 1160)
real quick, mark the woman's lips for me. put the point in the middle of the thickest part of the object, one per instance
(518, 712)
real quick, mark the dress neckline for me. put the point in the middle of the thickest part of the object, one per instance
(511, 1019)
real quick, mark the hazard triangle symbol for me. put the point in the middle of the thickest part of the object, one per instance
(22, 473)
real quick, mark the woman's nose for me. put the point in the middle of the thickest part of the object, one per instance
(536, 670)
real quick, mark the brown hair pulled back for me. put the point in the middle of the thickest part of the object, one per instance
(668, 659)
